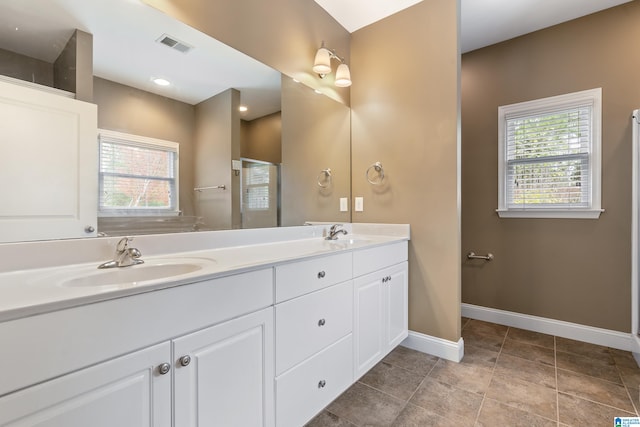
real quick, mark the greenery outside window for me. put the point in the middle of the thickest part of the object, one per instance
(549, 157)
(138, 175)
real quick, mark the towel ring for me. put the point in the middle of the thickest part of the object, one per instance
(377, 167)
(327, 178)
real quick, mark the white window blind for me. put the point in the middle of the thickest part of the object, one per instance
(138, 175)
(549, 157)
(257, 187)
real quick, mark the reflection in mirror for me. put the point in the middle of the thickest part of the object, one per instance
(72, 45)
(316, 132)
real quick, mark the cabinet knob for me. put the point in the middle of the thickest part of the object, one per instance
(322, 383)
(89, 229)
(164, 368)
(321, 274)
(185, 360)
(321, 322)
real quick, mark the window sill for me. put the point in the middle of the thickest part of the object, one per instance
(550, 213)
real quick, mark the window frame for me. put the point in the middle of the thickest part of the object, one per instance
(153, 144)
(591, 97)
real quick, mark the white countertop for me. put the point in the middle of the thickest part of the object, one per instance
(54, 286)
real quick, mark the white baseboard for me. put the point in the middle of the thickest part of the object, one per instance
(439, 347)
(574, 331)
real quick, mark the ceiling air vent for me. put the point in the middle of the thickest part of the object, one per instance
(174, 43)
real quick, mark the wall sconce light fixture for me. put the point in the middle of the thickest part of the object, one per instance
(322, 66)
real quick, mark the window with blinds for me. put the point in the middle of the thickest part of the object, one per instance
(138, 175)
(256, 180)
(550, 157)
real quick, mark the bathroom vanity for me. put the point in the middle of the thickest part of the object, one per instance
(263, 333)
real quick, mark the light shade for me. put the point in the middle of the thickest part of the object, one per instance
(322, 63)
(343, 76)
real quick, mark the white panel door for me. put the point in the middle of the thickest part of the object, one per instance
(380, 315)
(127, 391)
(396, 290)
(48, 165)
(228, 377)
(368, 322)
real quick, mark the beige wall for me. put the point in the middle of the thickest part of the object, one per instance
(214, 140)
(405, 105)
(25, 68)
(262, 138)
(315, 136)
(125, 109)
(571, 270)
(73, 69)
(283, 34)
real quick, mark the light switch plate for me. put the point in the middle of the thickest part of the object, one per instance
(344, 204)
(359, 204)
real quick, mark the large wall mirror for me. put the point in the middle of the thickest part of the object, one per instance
(280, 160)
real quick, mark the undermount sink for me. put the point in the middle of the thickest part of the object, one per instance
(130, 276)
(352, 239)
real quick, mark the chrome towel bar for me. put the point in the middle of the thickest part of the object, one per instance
(487, 257)
(222, 187)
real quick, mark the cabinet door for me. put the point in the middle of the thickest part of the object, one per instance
(48, 165)
(381, 315)
(368, 322)
(127, 391)
(396, 300)
(228, 379)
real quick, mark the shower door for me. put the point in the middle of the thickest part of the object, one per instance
(259, 194)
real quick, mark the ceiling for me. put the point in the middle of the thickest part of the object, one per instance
(483, 22)
(125, 34)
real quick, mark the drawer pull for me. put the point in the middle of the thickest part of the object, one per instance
(386, 279)
(322, 383)
(321, 275)
(321, 322)
(164, 368)
(185, 360)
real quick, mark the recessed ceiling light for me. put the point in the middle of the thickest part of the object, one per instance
(161, 82)
(242, 108)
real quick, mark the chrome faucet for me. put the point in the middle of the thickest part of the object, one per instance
(334, 231)
(124, 256)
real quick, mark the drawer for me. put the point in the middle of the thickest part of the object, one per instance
(303, 391)
(369, 260)
(303, 277)
(309, 323)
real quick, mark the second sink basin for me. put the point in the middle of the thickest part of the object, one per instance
(130, 276)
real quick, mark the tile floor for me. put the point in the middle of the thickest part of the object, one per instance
(508, 377)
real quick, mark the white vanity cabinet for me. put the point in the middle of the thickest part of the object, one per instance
(49, 164)
(314, 341)
(380, 303)
(81, 367)
(272, 345)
